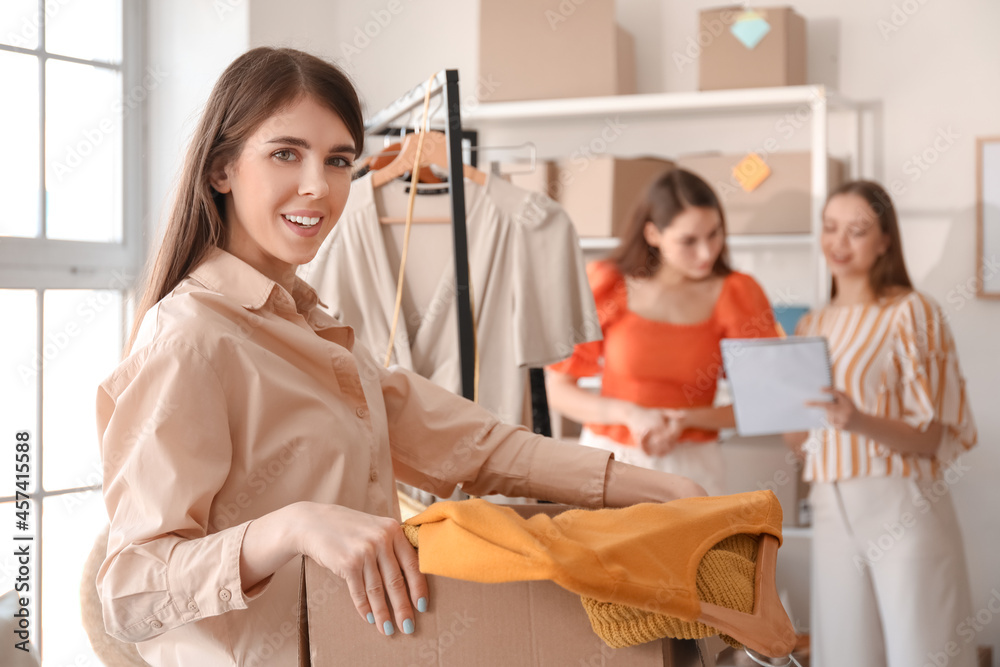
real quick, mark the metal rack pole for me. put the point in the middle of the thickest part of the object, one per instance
(453, 134)
(445, 83)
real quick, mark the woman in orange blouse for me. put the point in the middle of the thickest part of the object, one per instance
(665, 300)
(245, 428)
(890, 586)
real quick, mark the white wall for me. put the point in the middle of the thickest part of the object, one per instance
(934, 70)
(386, 46)
(191, 42)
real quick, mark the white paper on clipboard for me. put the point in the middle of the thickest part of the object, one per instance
(772, 378)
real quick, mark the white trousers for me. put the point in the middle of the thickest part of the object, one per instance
(889, 581)
(702, 462)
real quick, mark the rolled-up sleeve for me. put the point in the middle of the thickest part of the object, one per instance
(439, 440)
(163, 426)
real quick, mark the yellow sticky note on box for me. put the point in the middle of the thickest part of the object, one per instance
(750, 172)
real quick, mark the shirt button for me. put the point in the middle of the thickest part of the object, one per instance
(225, 595)
(193, 606)
(361, 412)
(155, 624)
(373, 475)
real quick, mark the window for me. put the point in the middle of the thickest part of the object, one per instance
(70, 245)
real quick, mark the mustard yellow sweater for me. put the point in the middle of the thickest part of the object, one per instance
(637, 568)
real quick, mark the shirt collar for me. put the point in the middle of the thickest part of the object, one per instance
(227, 274)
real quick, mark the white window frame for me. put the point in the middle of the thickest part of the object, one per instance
(43, 263)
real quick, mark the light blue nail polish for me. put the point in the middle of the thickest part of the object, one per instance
(422, 605)
(371, 618)
(408, 626)
(389, 630)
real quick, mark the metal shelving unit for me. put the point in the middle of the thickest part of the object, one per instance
(735, 241)
(670, 106)
(661, 103)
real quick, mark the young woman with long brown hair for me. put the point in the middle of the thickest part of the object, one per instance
(244, 428)
(665, 300)
(889, 581)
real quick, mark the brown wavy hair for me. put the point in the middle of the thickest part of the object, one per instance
(255, 86)
(670, 195)
(889, 270)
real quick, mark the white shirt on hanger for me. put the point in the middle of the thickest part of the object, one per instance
(531, 296)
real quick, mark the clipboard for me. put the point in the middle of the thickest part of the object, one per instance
(772, 378)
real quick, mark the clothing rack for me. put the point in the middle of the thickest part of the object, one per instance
(445, 83)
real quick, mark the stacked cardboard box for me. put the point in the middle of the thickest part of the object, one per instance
(780, 204)
(741, 48)
(544, 49)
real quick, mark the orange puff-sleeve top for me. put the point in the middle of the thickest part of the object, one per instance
(658, 364)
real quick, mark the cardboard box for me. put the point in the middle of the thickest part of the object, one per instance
(599, 194)
(543, 49)
(777, 59)
(627, 82)
(781, 204)
(469, 625)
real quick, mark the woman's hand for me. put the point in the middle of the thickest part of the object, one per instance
(653, 430)
(372, 555)
(896, 434)
(841, 413)
(679, 419)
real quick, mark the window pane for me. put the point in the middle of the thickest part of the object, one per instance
(70, 525)
(83, 152)
(90, 30)
(19, 168)
(82, 345)
(18, 380)
(12, 576)
(19, 23)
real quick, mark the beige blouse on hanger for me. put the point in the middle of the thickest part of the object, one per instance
(533, 303)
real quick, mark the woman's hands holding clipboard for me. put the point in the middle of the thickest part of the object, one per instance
(841, 412)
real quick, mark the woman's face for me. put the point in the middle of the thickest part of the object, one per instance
(690, 244)
(852, 239)
(286, 190)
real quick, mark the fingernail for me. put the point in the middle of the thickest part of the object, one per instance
(371, 618)
(387, 627)
(408, 626)
(422, 605)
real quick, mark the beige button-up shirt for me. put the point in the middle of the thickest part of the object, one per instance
(240, 398)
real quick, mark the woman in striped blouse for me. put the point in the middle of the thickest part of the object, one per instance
(890, 586)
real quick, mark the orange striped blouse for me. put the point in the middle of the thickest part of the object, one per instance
(896, 359)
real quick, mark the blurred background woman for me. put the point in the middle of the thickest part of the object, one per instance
(665, 299)
(889, 577)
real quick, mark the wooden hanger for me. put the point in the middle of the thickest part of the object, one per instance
(435, 151)
(767, 630)
(385, 157)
